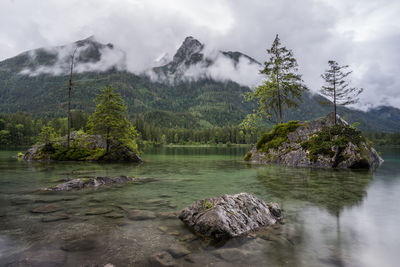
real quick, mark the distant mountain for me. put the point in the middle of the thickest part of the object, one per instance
(180, 92)
(191, 53)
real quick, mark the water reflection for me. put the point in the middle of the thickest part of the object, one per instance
(332, 190)
(333, 218)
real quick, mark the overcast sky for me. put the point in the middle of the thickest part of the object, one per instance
(364, 34)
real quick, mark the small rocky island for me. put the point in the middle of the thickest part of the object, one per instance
(84, 147)
(229, 216)
(110, 136)
(320, 143)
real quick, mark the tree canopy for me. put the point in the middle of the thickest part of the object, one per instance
(110, 119)
(337, 87)
(282, 87)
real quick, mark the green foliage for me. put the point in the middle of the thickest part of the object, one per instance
(336, 86)
(47, 135)
(336, 136)
(247, 157)
(282, 87)
(74, 153)
(208, 205)
(110, 119)
(277, 136)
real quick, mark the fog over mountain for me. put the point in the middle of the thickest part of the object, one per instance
(362, 33)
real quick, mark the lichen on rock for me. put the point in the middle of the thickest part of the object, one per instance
(320, 143)
(230, 215)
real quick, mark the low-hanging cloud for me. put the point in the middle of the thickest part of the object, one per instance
(361, 33)
(244, 72)
(109, 58)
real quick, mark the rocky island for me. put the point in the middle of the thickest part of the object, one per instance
(320, 143)
(110, 136)
(84, 147)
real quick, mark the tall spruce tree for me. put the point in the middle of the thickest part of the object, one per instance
(110, 119)
(282, 87)
(336, 86)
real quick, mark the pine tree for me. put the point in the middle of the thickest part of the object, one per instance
(282, 87)
(337, 87)
(110, 119)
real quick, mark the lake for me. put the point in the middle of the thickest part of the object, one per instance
(332, 218)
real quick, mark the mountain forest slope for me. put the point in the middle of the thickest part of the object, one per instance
(36, 82)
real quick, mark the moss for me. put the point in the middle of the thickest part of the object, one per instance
(248, 156)
(74, 153)
(277, 136)
(338, 135)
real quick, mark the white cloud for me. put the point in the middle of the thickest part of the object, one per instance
(361, 33)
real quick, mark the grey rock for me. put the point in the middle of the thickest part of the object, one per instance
(168, 215)
(138, 215)
(162, 259)
(46, 209)
(98, 211)
(42, 258)
(229, 215)
(291, 153)
(114, 215)
(93, 182)
(55, 217)
(231, 254)
(178, 252)
(79, 244)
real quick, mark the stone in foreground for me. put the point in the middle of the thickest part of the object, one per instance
(93, 182)
(230, 215)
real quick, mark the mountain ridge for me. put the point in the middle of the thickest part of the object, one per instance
(205, 101)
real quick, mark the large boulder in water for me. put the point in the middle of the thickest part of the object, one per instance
(230, 215)
(320, 143)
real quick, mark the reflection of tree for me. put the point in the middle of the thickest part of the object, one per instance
(331, 189)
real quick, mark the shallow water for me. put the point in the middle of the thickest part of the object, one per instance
(332, 218)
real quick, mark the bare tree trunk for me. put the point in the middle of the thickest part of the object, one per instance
(334, 94)
(107, 141)
(279, 99)
(69, 98)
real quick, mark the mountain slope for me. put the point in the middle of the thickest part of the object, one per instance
(36, 82)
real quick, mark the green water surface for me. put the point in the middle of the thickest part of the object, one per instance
(332, 218)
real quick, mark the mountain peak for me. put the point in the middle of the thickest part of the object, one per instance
(189, 47)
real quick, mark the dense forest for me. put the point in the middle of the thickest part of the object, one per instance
(22, 129)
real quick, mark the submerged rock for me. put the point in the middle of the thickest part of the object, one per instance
(138, 215)
(55, 217)
(41, 258)
(79, 244)
(319, 143)
(93, 182)
(162, 259)
(230, 215)
(46, 209)
(98, 211)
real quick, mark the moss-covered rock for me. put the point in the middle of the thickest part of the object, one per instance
(319, 143)
(83, 147)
